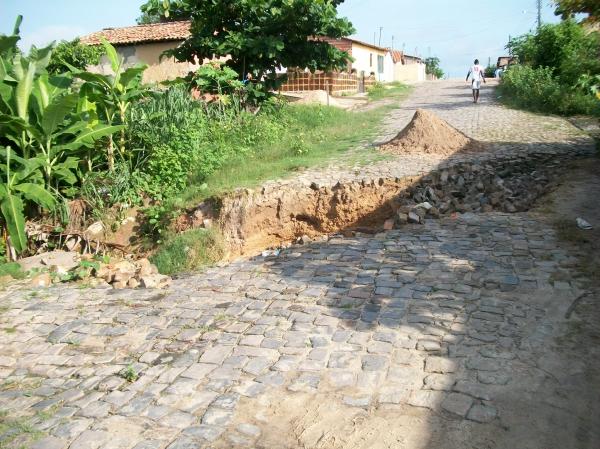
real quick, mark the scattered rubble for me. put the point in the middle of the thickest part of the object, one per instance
(60, 266)
(510, 185)
(60, 261)
(253, 220)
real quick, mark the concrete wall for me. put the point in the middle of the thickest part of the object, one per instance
(409, 73)
(366, 59)
(149, 54)
(388, 73)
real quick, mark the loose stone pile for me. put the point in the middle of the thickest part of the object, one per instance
(60, 266)
(506, 185)
(126, 274)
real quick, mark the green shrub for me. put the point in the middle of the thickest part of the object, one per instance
(124, 186)
(490, 71)
(177, 137)
(566, 48)
(539, 90)
(12, 269)
(560, 71)
(75, 54)
(376, 91)
(189, 251)
(535, 89)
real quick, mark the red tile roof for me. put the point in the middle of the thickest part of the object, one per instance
(397, 55)
(345, 43)
(156, 32)
(400, 56)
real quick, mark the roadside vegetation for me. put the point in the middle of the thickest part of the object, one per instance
(395, 90)
(108, 143)
(558, 70)
(432, 67)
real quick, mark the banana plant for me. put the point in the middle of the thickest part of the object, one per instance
(42, 134)
(38, 114)
(21, 184)
(113, 95)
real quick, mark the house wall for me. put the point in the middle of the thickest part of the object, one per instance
(409, 73)
(365, 59)
(149, 54)
(388, 73)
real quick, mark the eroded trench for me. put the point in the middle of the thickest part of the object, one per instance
(252, 221)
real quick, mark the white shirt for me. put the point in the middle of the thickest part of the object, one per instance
(476, 72)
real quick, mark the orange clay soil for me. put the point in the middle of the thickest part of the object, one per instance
(427, 133)
(254, 220)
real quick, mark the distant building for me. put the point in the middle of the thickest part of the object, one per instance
(368, 59)
(145, 44)
(407, 68)
(505, 61)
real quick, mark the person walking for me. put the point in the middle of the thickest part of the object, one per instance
(477, 75)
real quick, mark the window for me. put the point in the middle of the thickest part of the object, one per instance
(370, 59)
(380, 64)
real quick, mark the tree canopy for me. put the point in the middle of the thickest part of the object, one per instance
(567, 8)
(155, 11)
(74, 54)
(566, 48)
(262, 36)
(432, 67)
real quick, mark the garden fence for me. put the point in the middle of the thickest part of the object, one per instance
(335, 83)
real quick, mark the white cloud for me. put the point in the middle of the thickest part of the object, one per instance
(43, 36)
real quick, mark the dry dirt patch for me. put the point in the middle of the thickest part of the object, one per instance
(578, 196)
(429, 134)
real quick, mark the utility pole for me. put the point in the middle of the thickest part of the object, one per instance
(380, 31)
(392, 43)
(539, 14)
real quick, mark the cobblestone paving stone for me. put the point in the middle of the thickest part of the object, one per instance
(436, 316)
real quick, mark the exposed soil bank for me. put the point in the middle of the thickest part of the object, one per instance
(255, 220)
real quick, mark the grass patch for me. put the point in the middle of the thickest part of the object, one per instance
(189, 251)
(380, 91)
(17, 432)
(12, 269)
(283, 141)
(129, 374)
(314, 136)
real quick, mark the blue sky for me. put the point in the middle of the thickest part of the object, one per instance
(456, 31)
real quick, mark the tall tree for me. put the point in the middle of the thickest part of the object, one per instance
(73, 54)
(567, 8)
(262, 36)
(432, 67)
(155, 11)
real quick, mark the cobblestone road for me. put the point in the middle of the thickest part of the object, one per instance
(457, 319)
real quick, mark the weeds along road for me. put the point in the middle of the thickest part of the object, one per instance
(451, 334)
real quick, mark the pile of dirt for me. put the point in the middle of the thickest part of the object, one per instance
(427, 133)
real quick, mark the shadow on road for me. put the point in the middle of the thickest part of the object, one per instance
(462, 319)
